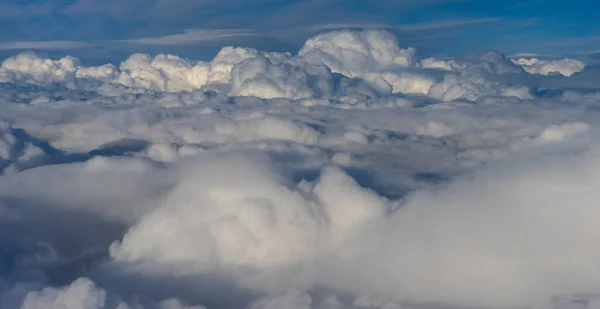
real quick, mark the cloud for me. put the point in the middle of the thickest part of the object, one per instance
(356, 173)
(195, 37)
(340, 26)
(45, 45)
(352, 53)
(286, 24)
(530, 55)
(371, 57)
(82, 293)
(446, 24)
(566, 67)
(494, 240)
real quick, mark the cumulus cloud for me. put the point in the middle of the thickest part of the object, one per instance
(30, 67)
(353, 174)
(566, 67)
(82, 293)
(355, 53)
(260, 223)
(504, 235)
(266, 79)
(371, 56)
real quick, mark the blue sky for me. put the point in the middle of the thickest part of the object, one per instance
(111, 29)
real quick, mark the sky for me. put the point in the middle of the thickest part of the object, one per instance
(102, 31)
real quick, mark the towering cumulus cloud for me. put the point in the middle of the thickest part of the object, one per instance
(371, 56)
(356, 53)
(353, 174)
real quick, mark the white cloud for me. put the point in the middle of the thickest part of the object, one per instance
(38, 70)
(503, 235)
(351, 175)
(566, 67)
(81, 294)
(354, 53)
(371, 55)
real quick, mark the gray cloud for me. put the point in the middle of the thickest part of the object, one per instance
(357, 173)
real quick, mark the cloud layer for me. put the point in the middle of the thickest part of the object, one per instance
(353, 174)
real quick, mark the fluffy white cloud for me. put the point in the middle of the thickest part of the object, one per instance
(503, 235)
(246, 216)
(81, 294)
(372, 56)
(350, 175)
(357, 53)
(566, 67)
(261, 77)
(30, 67)
(558, 133)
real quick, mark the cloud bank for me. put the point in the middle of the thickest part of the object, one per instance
(353, 174)
(372, 58)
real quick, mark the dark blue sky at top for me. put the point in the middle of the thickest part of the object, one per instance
(112, 29)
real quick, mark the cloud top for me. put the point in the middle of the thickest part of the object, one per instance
(370, 56)
(353, 174)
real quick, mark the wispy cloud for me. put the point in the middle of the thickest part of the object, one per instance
(593, 40)
(444, 24)
(431, 25)
(527, 55)
(44, 45)
(335, 26)
(194, 36)
(577, 46)
(159, 26)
